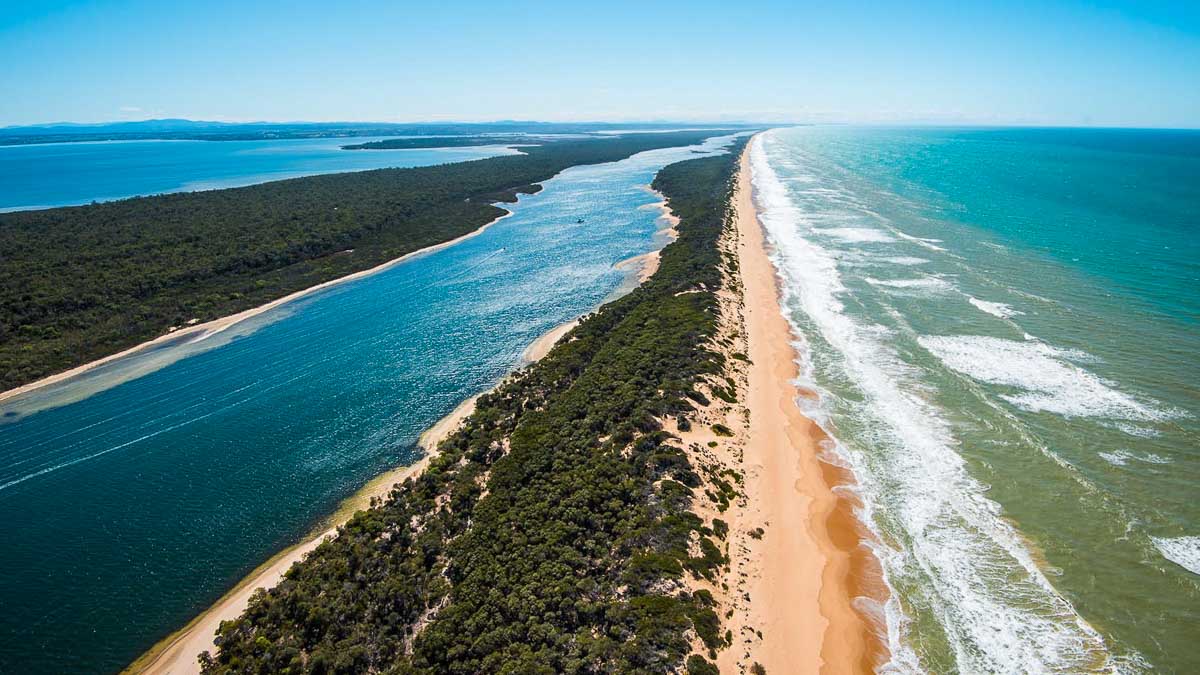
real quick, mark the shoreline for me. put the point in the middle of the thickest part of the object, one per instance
(226, 322)
(646, 264)
(812, 563)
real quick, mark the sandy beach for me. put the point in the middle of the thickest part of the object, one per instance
(217, 325)
(808, 565)
(542, 346)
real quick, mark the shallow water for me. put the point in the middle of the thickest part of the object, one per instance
(64, 174)
(1003, 328)
(127, 512)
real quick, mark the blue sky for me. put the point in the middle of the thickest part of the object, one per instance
(1115, 63)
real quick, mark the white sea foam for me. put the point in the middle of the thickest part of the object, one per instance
(1031, 296)
(926, 283)
(1050, 382)
(998, 309)
(1135, 430)
(864, 259)
(1183, 551)
(855, 235)
(931, 244)
(963, 561)
(904, 260)
(1123, 457)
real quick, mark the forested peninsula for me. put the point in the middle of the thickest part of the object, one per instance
(557, 530)
(82, 283)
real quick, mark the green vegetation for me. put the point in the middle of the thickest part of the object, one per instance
(84, 282)
(696, 665)
(720, 528)
(551, 533)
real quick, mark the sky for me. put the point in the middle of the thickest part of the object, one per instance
(1111, 63)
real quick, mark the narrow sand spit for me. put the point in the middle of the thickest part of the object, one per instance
(793, 583)
(217, 325)
(790, 584)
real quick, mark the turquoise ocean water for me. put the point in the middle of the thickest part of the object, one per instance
(1004, 329)
(64, 174)
(132, 498)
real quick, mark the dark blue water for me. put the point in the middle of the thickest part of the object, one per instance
(128, 512)
(63, 174)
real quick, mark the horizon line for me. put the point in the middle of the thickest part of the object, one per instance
(696, 124)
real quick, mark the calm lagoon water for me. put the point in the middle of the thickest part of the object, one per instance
(65, 174)
(127, 512)
(1004, 327)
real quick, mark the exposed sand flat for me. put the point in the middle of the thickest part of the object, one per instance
(806, 563)
(646, 265)
(217, 325)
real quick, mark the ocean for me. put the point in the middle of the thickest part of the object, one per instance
(66, 174)
(134, 497)
(1002, 327)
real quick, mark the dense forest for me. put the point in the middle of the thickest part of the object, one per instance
(552, 531)
(84, 282)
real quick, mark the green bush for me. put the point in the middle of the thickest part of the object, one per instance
(696, 665)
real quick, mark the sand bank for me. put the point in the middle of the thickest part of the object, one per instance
(809, 565)
(645, 264)
(208, 328)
